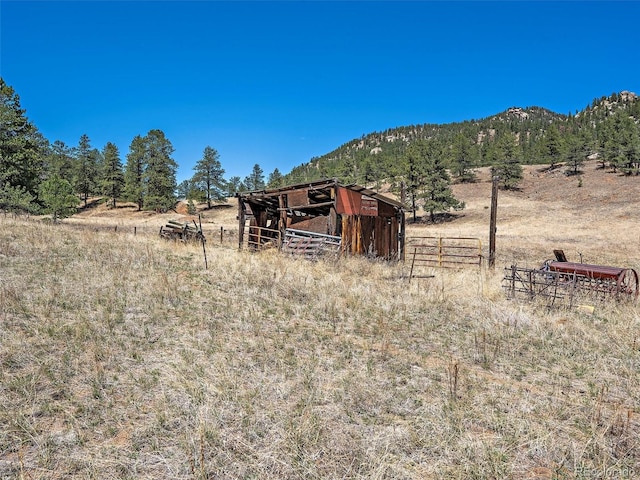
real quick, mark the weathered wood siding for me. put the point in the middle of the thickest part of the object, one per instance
(365, 235)
(297, 198)
(317, 224)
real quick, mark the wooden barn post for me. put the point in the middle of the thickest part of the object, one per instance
(241, 220)
(282, 206)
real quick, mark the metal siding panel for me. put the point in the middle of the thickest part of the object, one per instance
(348, 201)
(368, 206)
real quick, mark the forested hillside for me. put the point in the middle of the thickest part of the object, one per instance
(608, 128)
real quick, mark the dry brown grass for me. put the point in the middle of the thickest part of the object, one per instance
(121, 357)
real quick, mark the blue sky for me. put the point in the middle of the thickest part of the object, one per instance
(277, 83)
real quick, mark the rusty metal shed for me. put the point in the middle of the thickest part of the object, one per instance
(365, 222)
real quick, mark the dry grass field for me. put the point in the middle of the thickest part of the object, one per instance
(122, 357)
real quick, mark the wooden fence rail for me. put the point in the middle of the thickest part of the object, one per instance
(259, 238)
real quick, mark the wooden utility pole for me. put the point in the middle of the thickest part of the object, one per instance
(403, 221)
(492, 226)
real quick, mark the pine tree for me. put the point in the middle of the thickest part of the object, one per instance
(275, 179)
(208, 175)
(160, 172)
(347, 171)
(191, 207)
(507, 166)
(134, 172)
(188, 191)
(22, 148)
(435, 188)
(413, 171)
(463, 158)
(86, 169)
(233, 185)
(60, 161)
(577, 151)
(112, 175)
(602, 135)
(552, 147)
(16, 199)
(370, 171)
(621, 142)
(58, 197)
(255, 181)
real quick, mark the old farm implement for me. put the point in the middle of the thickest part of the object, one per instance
(560, 281)
(185, 232)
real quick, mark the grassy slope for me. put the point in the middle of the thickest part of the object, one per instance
(121, 357)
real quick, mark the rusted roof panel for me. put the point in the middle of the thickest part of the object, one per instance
(347, 202)
(374, 194)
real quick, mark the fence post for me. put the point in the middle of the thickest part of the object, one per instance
(415, 251)
(492, 225)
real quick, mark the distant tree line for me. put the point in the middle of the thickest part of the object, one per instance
(37, 176)
(421, 160)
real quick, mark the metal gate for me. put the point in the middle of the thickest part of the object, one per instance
(443, 252)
